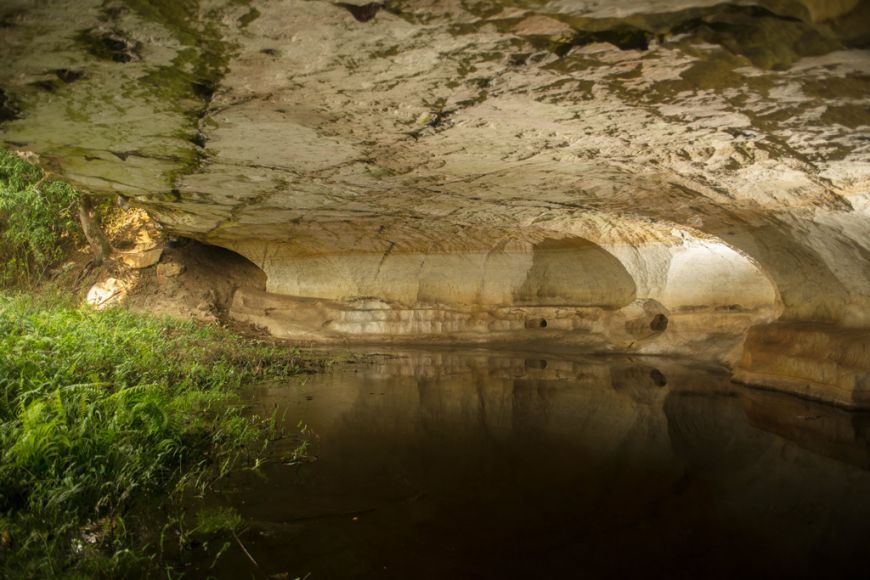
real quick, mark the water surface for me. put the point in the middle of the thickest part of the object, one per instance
(445, 464)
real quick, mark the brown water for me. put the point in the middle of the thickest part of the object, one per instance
(481, 464)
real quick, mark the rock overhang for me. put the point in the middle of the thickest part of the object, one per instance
(717, 152)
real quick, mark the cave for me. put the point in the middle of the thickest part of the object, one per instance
(653, 181)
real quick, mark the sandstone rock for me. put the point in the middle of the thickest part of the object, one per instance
(170, 270)
(542, 26)
(817, 361)
(106, 293)
(139, 259)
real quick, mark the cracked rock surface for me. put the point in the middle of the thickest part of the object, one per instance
(468, 170)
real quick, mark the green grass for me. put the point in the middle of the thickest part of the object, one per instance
(106, 415)
(37, 221)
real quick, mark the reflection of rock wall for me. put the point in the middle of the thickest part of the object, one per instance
(821, 428)
(593, 406)
(510, 447)
(728, 442)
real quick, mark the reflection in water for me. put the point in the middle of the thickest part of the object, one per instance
(492, 465)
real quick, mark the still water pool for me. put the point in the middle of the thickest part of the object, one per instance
(482, 464)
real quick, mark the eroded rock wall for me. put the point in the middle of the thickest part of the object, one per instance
(646, 175)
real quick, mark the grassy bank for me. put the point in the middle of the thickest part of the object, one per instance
(105, 414)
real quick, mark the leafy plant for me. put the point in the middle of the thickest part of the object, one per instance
(37, 220)
(106, 415)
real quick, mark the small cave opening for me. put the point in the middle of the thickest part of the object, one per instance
(362, 12)
(535, 363)
(658, 378)
(659, 323)
(194, 276)
(536, 323)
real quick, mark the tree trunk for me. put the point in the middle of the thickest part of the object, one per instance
(93, 232)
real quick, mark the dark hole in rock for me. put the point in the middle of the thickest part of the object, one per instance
(438, 118)
(728, 13)
(8, 110)
(269, 51)
(563, 49)
(659, 323)
(198, 140)
(109, 46)
(11, 18)
(177, 242)
(249, 17)
(535, 363)
(204, 90)
(113, 43)
(49, 85)
(536, 323)
(67, 75)
(658, 378)
(624, 38)
(520, 58)
(117, 49)
(364, 12)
